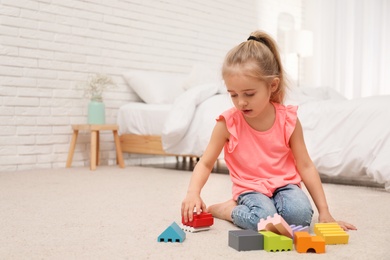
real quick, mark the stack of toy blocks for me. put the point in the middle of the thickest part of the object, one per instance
(277, 234)
(274, 235)
(332, 233)
(275, 224)
(200, 222)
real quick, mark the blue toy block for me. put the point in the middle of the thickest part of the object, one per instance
(173, 233)
(245, 240)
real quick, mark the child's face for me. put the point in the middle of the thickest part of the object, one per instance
(249, 95)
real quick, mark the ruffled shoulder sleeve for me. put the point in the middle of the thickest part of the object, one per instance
(291, 121)
(231, 119)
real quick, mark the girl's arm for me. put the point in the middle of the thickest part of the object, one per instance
(202, 172)
(311, 178)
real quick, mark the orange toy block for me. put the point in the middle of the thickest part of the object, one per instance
(304, 243)
(275, 224)
(332, 233)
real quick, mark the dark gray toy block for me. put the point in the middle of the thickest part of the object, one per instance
(246, 240)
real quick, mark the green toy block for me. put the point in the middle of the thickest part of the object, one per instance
(276, 243)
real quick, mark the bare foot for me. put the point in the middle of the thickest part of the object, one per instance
(223, 210)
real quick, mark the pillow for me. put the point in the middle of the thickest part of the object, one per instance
(155, 87)
(182, 112)
(300, 96)
(203, 73)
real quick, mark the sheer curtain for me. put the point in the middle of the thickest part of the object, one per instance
(351, 46)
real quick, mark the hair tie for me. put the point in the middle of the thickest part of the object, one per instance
(256, 39)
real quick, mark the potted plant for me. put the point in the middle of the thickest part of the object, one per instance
(93, 89)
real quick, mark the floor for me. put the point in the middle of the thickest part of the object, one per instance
(188, 164)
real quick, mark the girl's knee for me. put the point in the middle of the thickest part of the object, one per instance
(299, 216)
(248, 222)
(294, 206)
(249, 218)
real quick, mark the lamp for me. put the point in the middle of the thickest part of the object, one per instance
(299, 42)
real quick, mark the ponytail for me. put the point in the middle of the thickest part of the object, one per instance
(258, 57)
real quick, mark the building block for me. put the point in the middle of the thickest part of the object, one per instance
(275, 224)
(204, 219)
(304, 242)
(173, 233)
(276, 243)
(295, 228)
(200, 222)
(332, 233)
(193, 229)
(300, 228)
(246, 240)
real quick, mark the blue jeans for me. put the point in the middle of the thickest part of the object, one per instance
(289, 201)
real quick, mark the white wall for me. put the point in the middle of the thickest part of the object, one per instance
(351, 46)
(270, 19)
(270, 10)
(48, 46)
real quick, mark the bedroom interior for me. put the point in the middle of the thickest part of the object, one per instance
(164, 57)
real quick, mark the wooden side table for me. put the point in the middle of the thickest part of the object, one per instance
(95, 129)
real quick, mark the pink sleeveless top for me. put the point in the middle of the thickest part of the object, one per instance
(260, 161)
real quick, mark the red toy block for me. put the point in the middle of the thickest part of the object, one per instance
(275, 224)
(304, 242)
(204, 219)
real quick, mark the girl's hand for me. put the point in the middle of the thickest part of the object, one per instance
(191, 202)
(327, 218)
(346, 226)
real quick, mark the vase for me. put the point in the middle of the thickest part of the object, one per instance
(96, 113)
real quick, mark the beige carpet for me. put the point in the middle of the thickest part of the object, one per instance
(117, 213)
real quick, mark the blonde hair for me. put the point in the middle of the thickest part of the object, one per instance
(259, 58)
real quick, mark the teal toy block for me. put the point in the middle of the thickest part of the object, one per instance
(276, 243)
(173, 233)
(245, 240)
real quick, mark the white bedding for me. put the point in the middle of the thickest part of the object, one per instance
(142, 119)
(349, 138)
(346, 138)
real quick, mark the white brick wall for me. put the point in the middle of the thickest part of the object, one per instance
(48, 46)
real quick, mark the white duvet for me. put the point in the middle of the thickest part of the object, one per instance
(349, 138)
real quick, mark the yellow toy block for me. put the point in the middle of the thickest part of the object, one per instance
(332, 233)
(276, 243)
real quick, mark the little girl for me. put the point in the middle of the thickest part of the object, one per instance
(263, 144)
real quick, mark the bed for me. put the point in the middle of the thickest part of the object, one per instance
(347, 139)
(141, 126)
